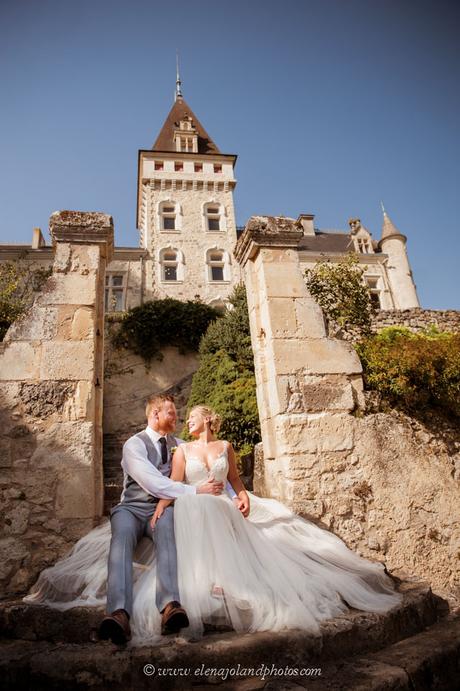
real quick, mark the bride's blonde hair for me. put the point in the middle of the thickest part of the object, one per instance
(215, 419)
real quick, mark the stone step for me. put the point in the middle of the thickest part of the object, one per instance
(349, 655)
(419, 608)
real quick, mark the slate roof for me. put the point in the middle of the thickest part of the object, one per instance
(165, 140)
(326, 242)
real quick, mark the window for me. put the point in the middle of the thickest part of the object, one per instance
(159, 165)
(178, 166)
(168, 216)
(217, 168)
(217, 265)
(374, 291)
(363, 245)
(115, 291)
(214, 218)
(171, 265)
(198, 167)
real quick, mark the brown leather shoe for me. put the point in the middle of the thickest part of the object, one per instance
(115, 627)
(174, 618)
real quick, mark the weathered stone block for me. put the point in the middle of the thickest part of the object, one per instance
(67, 360)
(65, 445)
(46, 398)
(20, 360)
(303, 433)
(80, 406)
(37, 324)
(315, 356)
(82, 324)
(75, 495)
(309, 319)
(68, 289)
(279, 318)
(329, 392)
(281, 280)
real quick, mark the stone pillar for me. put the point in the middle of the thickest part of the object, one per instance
(307, 383)
(51, 369)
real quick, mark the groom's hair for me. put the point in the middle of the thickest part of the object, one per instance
(156, 400)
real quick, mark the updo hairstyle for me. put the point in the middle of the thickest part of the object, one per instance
(215, 419)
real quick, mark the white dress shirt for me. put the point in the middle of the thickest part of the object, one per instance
(136, 464)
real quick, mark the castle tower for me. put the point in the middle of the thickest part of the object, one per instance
(185, 211)
(393, 243)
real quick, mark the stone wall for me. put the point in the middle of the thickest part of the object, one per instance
(51, 372)
(386, 484)
(418, 319)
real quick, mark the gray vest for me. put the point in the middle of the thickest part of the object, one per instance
(134, 497)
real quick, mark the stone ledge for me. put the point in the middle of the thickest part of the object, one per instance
(427, 660)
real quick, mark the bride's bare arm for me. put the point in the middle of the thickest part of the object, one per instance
(177, 474)
(234, 479)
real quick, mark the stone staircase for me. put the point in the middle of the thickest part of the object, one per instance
(113, 474)
(414, 647)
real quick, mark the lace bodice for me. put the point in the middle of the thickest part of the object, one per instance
(196, 471)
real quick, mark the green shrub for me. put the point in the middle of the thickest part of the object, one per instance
(150, 327)
(414, 371)
(225, 378)
(340, 291)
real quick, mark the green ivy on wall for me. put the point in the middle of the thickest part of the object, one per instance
(159, 323)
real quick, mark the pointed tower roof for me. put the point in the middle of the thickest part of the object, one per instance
(388, 227)
(179, 111)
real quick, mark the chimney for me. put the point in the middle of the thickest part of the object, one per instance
(37, 239)
(306, 221)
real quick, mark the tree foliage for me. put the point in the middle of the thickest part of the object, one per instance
(414, 371)
(148, 328)
(19, 281)
(225, 378)
(339, 289)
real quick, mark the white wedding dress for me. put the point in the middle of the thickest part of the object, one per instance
(270, 571)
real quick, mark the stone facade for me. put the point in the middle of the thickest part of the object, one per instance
(386, 484)
(51, 371)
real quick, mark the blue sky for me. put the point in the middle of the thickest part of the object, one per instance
(331, 106)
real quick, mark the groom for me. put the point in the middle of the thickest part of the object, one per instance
(146, 467)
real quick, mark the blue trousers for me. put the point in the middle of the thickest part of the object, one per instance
(128, 527)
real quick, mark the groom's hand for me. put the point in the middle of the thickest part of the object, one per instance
(211, 487)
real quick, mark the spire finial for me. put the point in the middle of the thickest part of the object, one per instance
(383, 208)
(178, 81)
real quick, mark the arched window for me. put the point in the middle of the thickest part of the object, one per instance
(214, 216)
(217, 261)
(169, 215)
(171, 265)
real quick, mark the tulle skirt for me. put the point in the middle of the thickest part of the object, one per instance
(268, 572)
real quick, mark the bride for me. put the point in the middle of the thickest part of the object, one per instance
(246, 562)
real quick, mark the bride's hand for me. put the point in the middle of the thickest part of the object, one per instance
(158, 512)
(242, 503)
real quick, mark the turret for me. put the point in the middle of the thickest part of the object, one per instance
(393, 243)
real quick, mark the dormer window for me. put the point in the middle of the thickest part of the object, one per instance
(364, 245)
